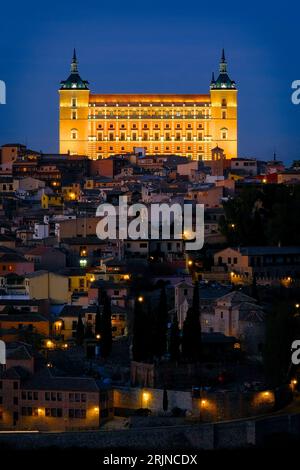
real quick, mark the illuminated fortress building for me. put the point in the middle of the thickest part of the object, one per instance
(100, 125)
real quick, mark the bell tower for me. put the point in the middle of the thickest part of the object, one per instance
(74, 96)
(223, 94)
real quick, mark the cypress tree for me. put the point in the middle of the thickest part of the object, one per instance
(165, 400)
(175, 340)
(80, 331)
(161, 325)
(106, 329)
(98, 321)
(138, 346)
(191, 334)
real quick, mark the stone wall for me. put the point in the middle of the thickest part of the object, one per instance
(236, 434)
(209, 407)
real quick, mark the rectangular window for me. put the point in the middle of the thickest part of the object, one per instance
(74, 102)
(78, 414)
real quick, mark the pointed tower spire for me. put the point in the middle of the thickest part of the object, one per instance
(223, 56)
(74, 80)
(213, 81)
(74, 68)
(223, 63)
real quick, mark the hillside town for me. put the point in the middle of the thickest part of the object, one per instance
(112, 333)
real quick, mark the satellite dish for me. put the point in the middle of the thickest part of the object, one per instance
(2, 353)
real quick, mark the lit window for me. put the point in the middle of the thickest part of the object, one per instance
(74, 134)
(224, 133)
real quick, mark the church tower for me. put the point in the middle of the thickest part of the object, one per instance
(223, 93)
(74, 96)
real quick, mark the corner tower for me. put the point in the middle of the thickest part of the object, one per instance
(74, 96)
(223, 94)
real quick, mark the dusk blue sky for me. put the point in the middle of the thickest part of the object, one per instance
(158, 46)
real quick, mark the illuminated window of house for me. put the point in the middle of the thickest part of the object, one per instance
(74, 134)
(74, 114)
(224, 102)
(74, 102)
(223, 114)
(224, 133)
